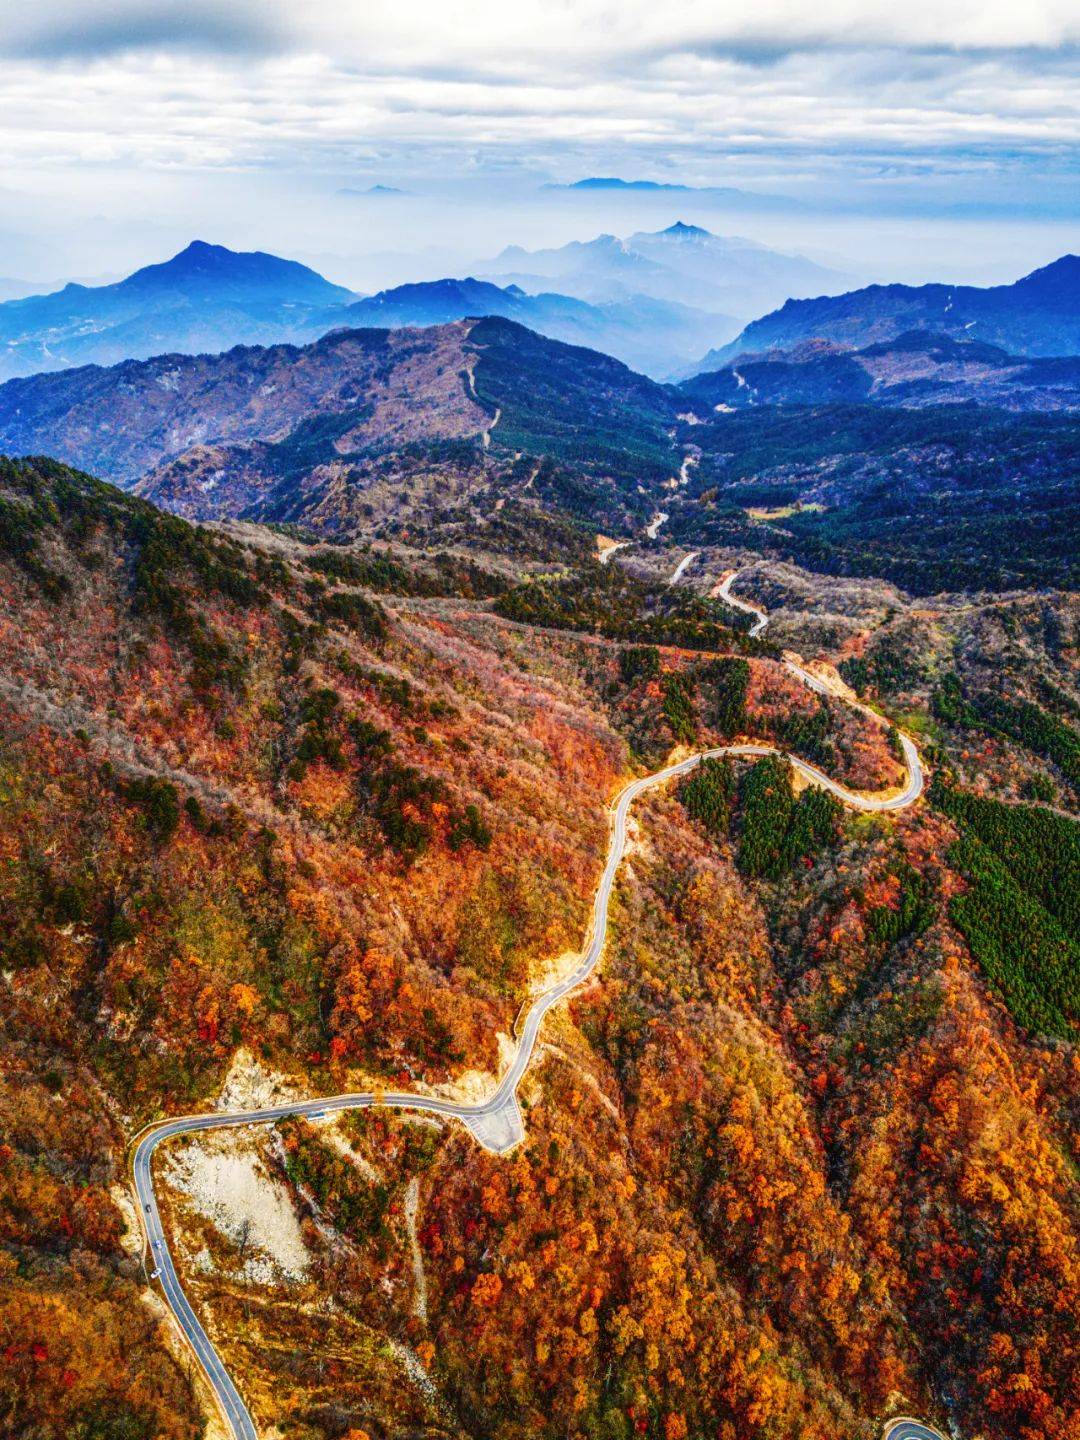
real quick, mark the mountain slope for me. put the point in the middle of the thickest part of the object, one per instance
(387, 387)
(206, 298)
(790, 1164)
(938, 499)
(216, 435)
(1038, 315)
(917, 369)
(572, 403)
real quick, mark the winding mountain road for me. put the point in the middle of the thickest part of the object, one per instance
(495, 1122)
(485, 434)
(723, 592)
(681, 568)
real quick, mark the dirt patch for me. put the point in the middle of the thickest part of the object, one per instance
(412, 1209)
(330, 1134)
(225, 1182)
(250, 1085)
(132, 1238)
(475, 1086)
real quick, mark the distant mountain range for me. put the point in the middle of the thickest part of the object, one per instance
(655, 336)
(743, 199)
(213, 435)
(374, 190)
(403, 424)
(684, 263)
(207, 298)
(612, 182)
(1038, 315)
(650, 301)
(655, 301)
(916, 369)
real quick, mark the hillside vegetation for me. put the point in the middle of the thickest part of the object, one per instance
(939, 499)
(283, 814)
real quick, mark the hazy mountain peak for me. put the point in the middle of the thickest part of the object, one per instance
(204, 298)
(650, 335)
(197, 257)
(684, 264)
(681, 231)
(199, 248)
(203, 263)
(604, 241)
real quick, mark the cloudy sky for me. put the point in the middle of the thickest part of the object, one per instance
(129, 125)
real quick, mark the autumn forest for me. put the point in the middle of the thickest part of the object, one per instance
(285, 818)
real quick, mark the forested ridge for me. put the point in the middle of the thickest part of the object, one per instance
(1021, 912)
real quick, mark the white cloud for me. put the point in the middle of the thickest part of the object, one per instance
(104, 98)
(304, 105)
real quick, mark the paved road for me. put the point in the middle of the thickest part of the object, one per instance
(496, 1122)
(723, 590)
(913, 787)
(680, 569)
(904, 1429)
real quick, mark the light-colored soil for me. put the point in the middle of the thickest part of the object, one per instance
(224, 1180)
